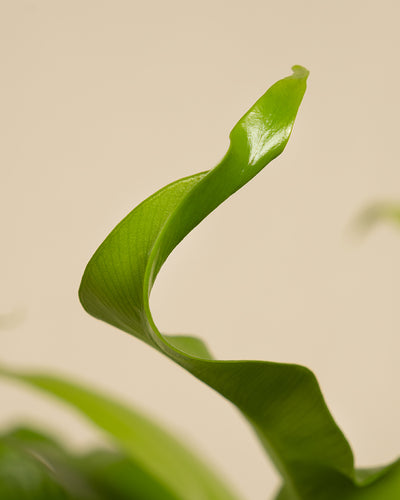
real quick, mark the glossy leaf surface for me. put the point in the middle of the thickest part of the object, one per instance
(282, 402)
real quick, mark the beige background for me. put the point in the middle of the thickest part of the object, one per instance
(104, 102)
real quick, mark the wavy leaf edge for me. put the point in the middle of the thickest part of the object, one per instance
(118, 292)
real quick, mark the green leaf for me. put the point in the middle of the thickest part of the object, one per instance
(282, 402)
(34, 466)
(378, 213)
(23, 477)
(162, 463)
(120, 478)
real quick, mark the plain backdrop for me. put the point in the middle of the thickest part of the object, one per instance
(104, 102)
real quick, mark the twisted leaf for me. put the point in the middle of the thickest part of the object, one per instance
(282, 402)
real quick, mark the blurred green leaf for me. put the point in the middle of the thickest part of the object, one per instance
(162, 463)
(24, 477)
(119, 478)
(282, 402)
(378, 213)
(34, 466)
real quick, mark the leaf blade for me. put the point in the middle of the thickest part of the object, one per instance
(283, 402)
(164, 458)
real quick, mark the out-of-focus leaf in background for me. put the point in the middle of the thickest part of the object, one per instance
(378, 213)
(160, 466)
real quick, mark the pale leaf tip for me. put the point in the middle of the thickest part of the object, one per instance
(300, 71)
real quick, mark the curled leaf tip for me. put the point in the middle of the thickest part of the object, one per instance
(300, 71)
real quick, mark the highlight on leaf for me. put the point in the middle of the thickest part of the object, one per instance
(282, 402)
